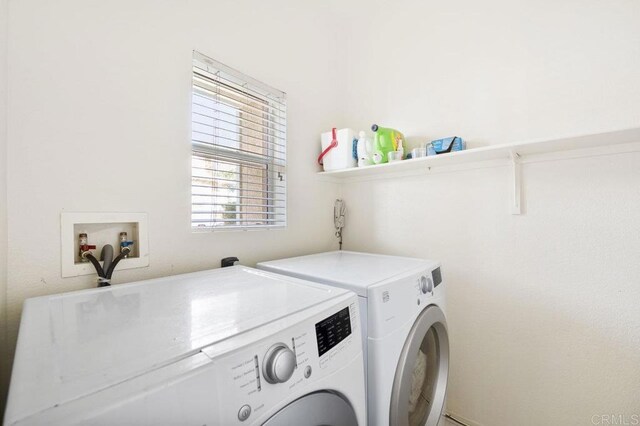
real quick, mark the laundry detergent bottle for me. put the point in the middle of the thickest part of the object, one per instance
(385, 140)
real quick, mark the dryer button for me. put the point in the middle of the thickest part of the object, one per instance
(244, 413)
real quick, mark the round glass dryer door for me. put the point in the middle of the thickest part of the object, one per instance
(420, 383)
(316, 409)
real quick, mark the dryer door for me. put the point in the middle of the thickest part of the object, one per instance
(316, 409)
(420, 383)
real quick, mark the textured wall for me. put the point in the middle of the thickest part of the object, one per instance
(99, 120)
(495, 71)
(542, 315)
(4, 363)
(541, 306)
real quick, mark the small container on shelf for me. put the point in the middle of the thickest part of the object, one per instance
(446, 145)
(418, 152)
(338, 149)
(394, 156)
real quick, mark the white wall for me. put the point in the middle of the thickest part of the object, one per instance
(541, 311)
(99, 120)
(3, 200)
(495, 71)
(542, 307)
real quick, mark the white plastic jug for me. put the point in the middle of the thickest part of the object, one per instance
(337, 153)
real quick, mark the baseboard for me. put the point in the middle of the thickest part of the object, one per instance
(459, 420)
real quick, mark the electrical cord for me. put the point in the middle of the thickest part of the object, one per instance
(339, 211)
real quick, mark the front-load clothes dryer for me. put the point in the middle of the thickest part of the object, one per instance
(405, 339)
(232, 346)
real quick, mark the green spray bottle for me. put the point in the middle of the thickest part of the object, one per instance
(385, 140)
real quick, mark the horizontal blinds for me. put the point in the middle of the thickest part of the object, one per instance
(238, 144)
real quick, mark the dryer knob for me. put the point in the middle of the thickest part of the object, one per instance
(426, 285)
(279, 364)
(423, 284)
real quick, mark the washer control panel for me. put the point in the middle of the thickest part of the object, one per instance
(333, 330)
(255, 378)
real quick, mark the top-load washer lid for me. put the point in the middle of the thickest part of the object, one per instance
(74, 344)
(350, 270)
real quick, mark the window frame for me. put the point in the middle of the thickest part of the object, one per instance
(273, 199)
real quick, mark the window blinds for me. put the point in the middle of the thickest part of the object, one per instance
(238, 140)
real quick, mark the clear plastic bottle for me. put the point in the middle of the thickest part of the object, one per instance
(364, 150)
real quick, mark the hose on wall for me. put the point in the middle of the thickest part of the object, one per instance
(105, 273)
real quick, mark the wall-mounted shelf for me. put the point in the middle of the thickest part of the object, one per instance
(511, 153)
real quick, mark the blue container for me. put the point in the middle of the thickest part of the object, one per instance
(443, 146)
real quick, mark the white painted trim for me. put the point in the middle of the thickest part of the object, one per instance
(457, 419)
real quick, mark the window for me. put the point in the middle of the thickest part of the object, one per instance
(238, 150)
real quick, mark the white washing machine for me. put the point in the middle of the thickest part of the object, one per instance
(407, 346)
(232, 346)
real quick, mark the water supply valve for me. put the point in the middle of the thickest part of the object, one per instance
(85, 247)
(124, 242)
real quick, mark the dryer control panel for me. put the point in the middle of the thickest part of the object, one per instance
(395, 303)
(265, 375)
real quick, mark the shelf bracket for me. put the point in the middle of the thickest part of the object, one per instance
(516, 187)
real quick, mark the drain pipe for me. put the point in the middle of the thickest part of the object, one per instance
(106, 256)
